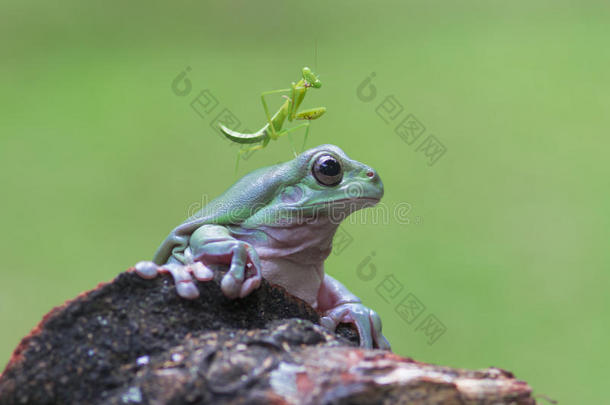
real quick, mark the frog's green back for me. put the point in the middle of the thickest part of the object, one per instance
(238, 203)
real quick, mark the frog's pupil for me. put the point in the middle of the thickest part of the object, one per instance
(330, 167)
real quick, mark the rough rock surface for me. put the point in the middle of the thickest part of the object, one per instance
(135, 341)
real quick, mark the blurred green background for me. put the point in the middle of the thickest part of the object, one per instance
(507, 244)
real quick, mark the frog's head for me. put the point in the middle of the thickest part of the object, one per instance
(322, 181)
(329, 178)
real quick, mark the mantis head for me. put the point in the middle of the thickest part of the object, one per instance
(311, 78)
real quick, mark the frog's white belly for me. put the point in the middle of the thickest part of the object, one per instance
(293, 256)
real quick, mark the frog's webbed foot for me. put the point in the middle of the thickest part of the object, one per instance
(243, 277)
(182, 275)
(366, 320)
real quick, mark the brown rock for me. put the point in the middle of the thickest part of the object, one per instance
(135, 341)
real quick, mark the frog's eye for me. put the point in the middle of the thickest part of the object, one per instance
(327, 170)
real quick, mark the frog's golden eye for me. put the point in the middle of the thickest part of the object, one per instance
(327, 170)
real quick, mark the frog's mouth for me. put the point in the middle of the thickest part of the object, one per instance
(334, 211)
(356, 202)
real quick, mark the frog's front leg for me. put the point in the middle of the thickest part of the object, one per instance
(210, 244)
(338, 305)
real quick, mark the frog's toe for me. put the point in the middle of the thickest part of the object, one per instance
(365, 320)
(328, 323)
(380, 341)
(229, 286)
(201, 271)
(185, 287)
(183, 280)
(364, 332)
(234, 285)
(253, 273)
(244, 275)
(249, 285)
(146, 269)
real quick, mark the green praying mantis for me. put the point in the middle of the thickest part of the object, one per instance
(272, 130)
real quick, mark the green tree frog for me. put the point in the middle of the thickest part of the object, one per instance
(278, 223)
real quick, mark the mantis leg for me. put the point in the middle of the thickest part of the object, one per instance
(255, 147)
(286, 131)
(297, 94)
(294, 152)
(293, 106)
(305, 137)
(267, 115)
(241, 151)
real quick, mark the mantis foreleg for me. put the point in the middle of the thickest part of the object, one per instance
(270, 120)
